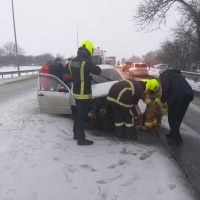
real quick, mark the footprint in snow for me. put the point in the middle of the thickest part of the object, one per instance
(146, 155)
(167, 188)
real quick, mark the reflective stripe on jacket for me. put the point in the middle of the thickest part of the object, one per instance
(82, 94)
(121, 93)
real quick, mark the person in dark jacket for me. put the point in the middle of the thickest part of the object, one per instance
(123, 97)
(56, 69)
(178, 94)
(82, 68)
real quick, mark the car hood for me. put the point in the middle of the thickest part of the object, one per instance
(101, 89)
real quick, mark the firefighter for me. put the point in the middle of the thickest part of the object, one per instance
(153, 112)
(123, 97)
(82, 68)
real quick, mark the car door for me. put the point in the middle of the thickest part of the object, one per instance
(53, 95)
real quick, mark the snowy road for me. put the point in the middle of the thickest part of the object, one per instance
(40, 161)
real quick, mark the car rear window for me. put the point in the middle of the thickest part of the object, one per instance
(140, 65)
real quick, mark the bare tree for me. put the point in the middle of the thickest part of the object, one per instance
(152, 14)
(42, 59)
(185, 33)
(134, 59)
(10, 53)
(9, 49)
(1, 55)
(150, 58)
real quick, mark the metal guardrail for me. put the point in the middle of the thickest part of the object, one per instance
(192, 74)
(18, 72)
(185, 73)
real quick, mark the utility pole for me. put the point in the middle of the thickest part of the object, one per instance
(17, 57)
(77, 31)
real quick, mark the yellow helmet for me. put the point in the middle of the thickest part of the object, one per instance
(151, 84)
(147, 81)
(154, 85)
(88, 45)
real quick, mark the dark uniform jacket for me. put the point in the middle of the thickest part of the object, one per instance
(56, 69)
(126, 92)
(82, 69)
(174, 86)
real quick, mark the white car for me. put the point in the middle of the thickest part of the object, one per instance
(56, 97)
(160, 66)
(139, 69)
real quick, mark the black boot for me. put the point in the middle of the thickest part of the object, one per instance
(75, 137)
(169, 136)
(84, 142)
(172, 141)
(131, 133)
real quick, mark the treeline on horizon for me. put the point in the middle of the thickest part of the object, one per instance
(8, 57)
(176, 55)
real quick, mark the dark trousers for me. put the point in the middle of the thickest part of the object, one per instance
(176, 113)
(82, 109)
(124, 121)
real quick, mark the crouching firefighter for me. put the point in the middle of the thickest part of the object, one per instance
(153, 112)
(123, 97)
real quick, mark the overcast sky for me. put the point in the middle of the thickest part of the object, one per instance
(51, 26)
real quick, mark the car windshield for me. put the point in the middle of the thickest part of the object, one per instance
(106, 76)
(140, 65)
